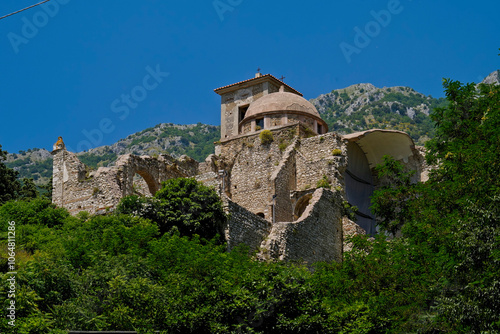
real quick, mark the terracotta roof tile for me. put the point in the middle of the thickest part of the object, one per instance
(259, 78)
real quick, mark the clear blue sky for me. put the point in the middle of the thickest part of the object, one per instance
(68, 70)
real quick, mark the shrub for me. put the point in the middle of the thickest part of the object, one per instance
(266, 137)
(182, 205)
(36, 211)
(337, 152)
(309, 133)
(323, 183)
(283, 145)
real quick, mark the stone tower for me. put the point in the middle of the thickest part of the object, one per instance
(236, 99)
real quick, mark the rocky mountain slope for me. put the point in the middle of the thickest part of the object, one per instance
(364, 106)
(493, 78)
(355, 108)
(194, 140)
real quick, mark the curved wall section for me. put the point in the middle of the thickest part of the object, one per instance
(359, 186)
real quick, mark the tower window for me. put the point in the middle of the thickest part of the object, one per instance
(259, 123)
(320, 129)
(242, 112)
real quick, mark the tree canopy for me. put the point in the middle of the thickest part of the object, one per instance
(453, 220)
(182, 204)
(9, 185)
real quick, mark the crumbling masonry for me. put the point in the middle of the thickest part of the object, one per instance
(285, 196)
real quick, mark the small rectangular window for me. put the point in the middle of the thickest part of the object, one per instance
(242, 110)
(259, 123)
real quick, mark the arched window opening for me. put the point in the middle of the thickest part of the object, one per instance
(301, 205)
(144, 184)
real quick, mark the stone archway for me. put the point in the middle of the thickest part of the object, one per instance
(144, 184)
(301, 205)
(153, 185)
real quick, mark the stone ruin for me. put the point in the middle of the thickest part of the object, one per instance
(285, 196)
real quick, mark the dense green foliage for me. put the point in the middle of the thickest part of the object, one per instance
(453, 220)
(182, 204)
(9, 186)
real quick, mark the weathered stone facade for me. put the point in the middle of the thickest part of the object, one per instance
(285, 197)
(315, 236)
(77, 188)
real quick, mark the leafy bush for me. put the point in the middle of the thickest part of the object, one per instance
(36, 211)
(266, 137)
(182, 204)
(337, 152)
(323, 183)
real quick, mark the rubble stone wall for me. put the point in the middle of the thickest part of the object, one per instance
(315, 159)
(78, 188)
(283, 182)
(250, 164)
(316, 236)
(244, 227)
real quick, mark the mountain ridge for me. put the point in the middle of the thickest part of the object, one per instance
(354, 108)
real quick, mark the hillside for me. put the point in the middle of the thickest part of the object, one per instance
(355, 108)
(194, 140)
(364, 106)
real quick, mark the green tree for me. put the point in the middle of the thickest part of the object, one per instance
(46, 189)
(28, 189)
(451, 223)
(390, 201)
(9, 185)
(181, 204)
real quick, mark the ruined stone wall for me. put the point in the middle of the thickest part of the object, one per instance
(250, 164)
(77, 188)
(316, 236)
(315, 160)
(249, 177)
(350, 229)
(244, 227)
(283, 182)
(420, 165)
(208, 173)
